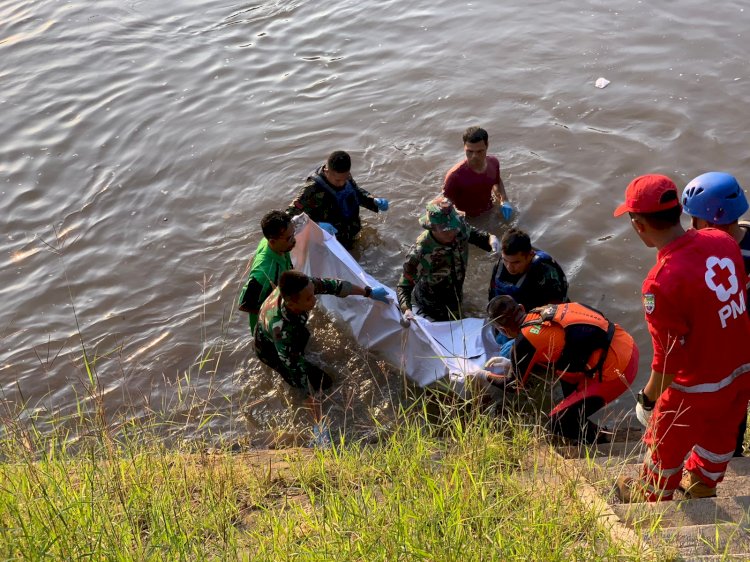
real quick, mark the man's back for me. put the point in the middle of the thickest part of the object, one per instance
(695, 306)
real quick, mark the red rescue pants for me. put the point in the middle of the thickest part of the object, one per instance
(701, 427)
(618, 374)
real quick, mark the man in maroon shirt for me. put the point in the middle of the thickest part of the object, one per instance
(473, 184)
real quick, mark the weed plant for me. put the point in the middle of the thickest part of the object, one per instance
(448, 483)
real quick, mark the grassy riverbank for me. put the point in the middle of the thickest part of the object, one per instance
(461, 489)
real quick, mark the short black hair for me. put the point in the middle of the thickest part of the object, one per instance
(476, 134)
(339, 161)
(274, 224)
(502, 308)
(292, 282)
(515, 241)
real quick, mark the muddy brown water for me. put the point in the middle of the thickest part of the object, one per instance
(141, 142)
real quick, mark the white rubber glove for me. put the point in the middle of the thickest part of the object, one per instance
(643, 415)
(498, 380)
(498, 365)
(479, 375)
(494, 244)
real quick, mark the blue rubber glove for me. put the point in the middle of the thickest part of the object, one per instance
(506, 210)
(379, 294)
(502, 339)
(507, 349)
(381, 203)
(328, 227)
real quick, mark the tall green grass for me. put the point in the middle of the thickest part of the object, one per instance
(446, 481)
(457, 486)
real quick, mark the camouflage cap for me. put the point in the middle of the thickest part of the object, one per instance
(440, 215)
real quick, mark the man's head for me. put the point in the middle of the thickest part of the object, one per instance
(297, 290)
(278, 229)
(476, 141)
(338, 167)
(714, 199)
(506, 315)
(475, 134)
(653, 205)
(516, 251)
(441, 219)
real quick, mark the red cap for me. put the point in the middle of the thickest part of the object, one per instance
(645, 194)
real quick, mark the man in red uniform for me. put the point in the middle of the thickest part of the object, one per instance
(474, 183)
(716, 200)
(695, 307)
(594, 359)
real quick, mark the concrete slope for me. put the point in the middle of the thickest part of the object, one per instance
(703, 529)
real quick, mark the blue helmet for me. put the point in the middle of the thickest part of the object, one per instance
(715, 197)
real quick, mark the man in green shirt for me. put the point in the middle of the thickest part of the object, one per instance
(271, 260)
(282, 334)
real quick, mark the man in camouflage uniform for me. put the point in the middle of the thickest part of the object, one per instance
(435, 269)
(281, 335)
(332, 199)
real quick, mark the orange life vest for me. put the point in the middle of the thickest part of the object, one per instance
(586, 331)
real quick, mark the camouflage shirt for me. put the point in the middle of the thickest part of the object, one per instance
(319, 202)
(284, 334)
(434, 273)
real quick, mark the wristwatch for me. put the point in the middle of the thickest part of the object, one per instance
(368, 291)
(645, 401)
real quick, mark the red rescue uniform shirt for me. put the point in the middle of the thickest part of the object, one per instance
(695, 305)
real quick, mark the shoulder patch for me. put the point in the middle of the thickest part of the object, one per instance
(649, 302)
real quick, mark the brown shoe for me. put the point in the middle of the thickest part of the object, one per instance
(630, 490)
(693, 487)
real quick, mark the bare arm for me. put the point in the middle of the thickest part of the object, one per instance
(338, 287)
(498, 191)
(657, 383)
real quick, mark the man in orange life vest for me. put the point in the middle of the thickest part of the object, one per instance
(595, 359)
(695, 307)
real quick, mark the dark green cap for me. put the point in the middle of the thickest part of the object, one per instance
(440, 215)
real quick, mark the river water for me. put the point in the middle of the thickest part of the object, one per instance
(142, 141)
